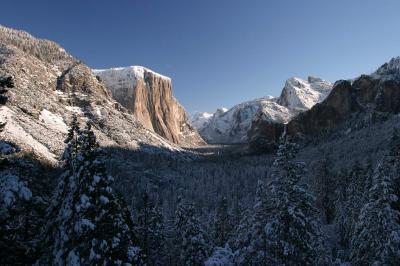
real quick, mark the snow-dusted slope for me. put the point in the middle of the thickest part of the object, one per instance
(390, 69)
(232, 126)
(302, 95)
(49, 87)
(199, 119)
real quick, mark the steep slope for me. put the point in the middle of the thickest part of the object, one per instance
(51, 86)
(148, 95)
(247, 120)
(198, 119)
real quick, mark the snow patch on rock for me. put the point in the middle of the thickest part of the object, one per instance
(15, 133)
(53, 121)
(199, 119)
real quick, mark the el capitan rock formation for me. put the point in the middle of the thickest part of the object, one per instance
(148, 95)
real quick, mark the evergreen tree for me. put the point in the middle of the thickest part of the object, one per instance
(342, 210)
(90, 224)
(294, 230)
(194, 247)
(242, 241)
(150, 229)
(189, 238)
(376, 240)
(256, 250)
(223, 227)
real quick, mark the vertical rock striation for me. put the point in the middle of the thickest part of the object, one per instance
(148, 95)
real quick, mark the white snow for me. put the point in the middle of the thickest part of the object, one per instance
(16, 133)
(199, 119)
(220, 257)
(74, 109)
(104, 200)
(390, 69)
(231, 126)
(53, 121)
(12, 189)
(302, 94)
(124, 77)
(82, 224)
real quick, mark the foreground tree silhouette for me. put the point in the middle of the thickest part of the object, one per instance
(89, 223)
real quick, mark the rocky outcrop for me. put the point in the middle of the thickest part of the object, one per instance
(367, 94)
(371, 96)
(148, 95)
(49, 87)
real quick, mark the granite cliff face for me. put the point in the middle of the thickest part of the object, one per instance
(49, 87)
(148, 95)
(369, 97)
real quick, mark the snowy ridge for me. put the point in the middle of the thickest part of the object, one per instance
(199, 119)
(391, 69)
(301, 94)
(124, 76)
(231, 126)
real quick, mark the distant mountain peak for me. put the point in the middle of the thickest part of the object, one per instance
(391, 68)
(232, 126)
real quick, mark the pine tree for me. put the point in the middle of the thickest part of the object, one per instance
(376, 240)
(150, 229)
(342, 210)
(294, 230)
(190, 246)
(194, 247)
(255, 252)
(243, 236)
(223, 227)
(90, 224)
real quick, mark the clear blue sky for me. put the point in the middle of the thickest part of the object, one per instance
(219, 52)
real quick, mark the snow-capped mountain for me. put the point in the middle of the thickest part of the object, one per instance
(390, 69)
(232, 126)
(302, 95)
(148, 95)
(198, 119)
